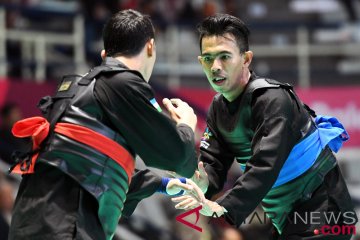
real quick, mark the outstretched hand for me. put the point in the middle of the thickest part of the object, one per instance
(200, 178)
(175, 186)
(209, 208)
(194, 198)
(191, 199)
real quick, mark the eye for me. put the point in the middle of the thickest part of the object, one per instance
(225, 57)
(207, 59)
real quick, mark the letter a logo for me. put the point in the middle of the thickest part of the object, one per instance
(181, 219)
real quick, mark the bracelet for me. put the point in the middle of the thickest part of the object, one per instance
(164, 183)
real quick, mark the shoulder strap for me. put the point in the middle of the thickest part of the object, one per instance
(266, 83)
(260, 83)
(96, 71)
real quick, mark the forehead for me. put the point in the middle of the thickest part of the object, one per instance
(214, 44)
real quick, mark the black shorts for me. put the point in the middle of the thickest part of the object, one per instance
(51, 205)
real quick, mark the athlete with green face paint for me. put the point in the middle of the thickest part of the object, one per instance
(285, 153)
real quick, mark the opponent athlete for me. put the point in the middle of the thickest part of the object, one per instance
(77, 175)
(286, 156)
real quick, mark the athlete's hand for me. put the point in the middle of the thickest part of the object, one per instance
(210, 207)
(200, 177)
(175, 186)
(191, 199)
(188, 202)
(180, 112)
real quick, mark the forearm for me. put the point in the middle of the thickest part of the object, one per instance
(144, 183)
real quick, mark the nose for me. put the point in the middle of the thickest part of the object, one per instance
(216, 67)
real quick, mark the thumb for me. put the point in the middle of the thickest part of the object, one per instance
(168, 105)
(185, 186)
(202, 168)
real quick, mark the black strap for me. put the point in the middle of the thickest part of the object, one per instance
(268, 83)
(96, 71)
(24, 158)
(44, 104)
(310, 110)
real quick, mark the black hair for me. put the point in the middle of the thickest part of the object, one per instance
(126, 33)
(220, 24)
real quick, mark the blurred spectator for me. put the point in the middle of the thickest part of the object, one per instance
(127, 4)
(6, 204)
(350, 8)
(96, 13)
(231, 7)
(190, 14)
(9, 114)
(212, 7)
(151, 8)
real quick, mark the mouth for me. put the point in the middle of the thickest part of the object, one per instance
(219, 80)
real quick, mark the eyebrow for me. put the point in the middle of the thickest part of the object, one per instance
(214, 54)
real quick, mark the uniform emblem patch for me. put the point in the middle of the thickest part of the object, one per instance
(206, 136)
(155, 104)
(65, 86)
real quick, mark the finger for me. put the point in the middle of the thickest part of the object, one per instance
(168, 105)
(184, 186)
(166, 101)
(201, 168)
(179, 104)
(184, 203)
(181, 198)
(195, 194)
(191, 205)
(176, 101)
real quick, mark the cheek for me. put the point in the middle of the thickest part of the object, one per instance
(235, 70)
(207, 71)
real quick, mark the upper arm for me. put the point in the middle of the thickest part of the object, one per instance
(151, 134)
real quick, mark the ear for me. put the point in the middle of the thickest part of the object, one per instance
(200, 59)
(150, 47)
(103, 54)
(248, 58)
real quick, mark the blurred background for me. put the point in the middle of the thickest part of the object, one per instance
(312, 44)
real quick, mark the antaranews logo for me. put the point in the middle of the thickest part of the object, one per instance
(336, 230)
(332, 220)
(336, 223)
(181, 217)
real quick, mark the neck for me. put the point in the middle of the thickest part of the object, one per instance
(134, 63)
(245, 77)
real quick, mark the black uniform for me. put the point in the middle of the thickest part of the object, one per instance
(78, 192)
(259, 130)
